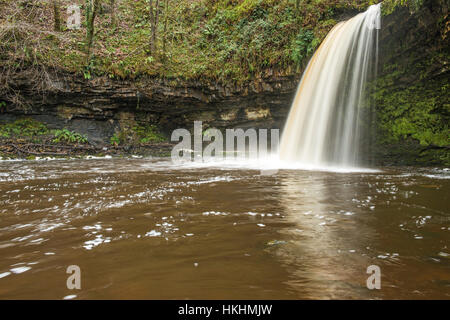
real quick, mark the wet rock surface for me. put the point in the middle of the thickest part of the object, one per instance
(102, 106)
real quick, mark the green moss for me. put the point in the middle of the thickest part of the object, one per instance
(389, 6)
(139, 134)
(25, 127)
(413, 105)
(148, 134)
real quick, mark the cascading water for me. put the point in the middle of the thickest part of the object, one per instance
(323, 127)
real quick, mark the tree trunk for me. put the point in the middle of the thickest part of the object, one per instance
(91, 12)
(154, 17)
(112, 4)
(56, 15)
(166, 13)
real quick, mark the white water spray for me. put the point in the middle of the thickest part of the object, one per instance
(323, 127)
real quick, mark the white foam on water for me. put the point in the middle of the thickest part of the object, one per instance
(268, 164)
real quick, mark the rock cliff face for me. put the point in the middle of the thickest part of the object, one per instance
(412, 89)
(101, 106)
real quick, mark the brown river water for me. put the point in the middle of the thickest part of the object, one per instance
(148, 229)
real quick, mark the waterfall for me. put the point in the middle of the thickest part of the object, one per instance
(324, 124)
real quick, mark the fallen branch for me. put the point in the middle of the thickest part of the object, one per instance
(38, 153)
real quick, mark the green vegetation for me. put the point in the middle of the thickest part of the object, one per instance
(116, 139)
(414, 112)
(412, 94)
(303, 46)
(226, 40)
(139, 134)
(389, 6)
(148, 134)
(25, 127)
(65, 135)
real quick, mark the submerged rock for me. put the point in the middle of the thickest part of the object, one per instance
(275, 243)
